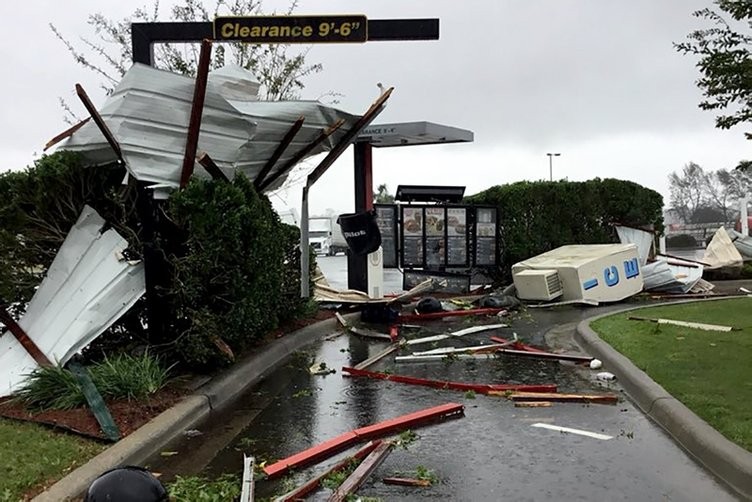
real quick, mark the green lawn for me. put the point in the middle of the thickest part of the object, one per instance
(709, 371)
(32, 455)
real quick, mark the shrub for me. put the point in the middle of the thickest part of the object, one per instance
(239, 274)
(682, 241)
(122, 377)
(535, 217)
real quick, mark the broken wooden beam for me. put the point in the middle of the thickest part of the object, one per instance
(545, 355)
(310, 486)
(456, 334)
(532, 404)
(442, 384)
(286, 140)
(99, 121)
(367, 333)
(343, 441)
(197, 110)
(26, 342)
(65, 134)
(406, 482)
(375, 358)
(211, 167)
(517, 344)
(560, 398)
(687, 324)
(361, 473)
(453, 313)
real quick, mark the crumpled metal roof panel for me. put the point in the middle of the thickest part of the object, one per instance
(149, 111)
(88, 287)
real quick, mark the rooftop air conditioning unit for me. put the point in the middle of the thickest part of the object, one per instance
(538, 284)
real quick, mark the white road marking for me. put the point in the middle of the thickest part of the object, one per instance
(572, 431)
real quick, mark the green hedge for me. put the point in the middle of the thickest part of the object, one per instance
(238, 277)
(535, 217)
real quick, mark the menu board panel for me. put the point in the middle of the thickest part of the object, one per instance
(457, 240)
(412, 221)
(434, 251)
(485, 236)
(435, 222)
(412, 236)
(386, 219)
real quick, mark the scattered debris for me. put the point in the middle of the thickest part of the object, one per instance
(321, 369)
(375, 358)
(430, 305)
(168, 453)
(455, 313)
(95, 401)
(605, 375)
(407, 482)
(546, 355)
(192, 433)
(464, 350)
(339, 443)
(560, 398)
(532, 404)
(313, 484)
(360, 331)
(442, 357)
(721, 254)
(686, 324)
(246, 491)
(456, 334)
(596, 364)
(572, 431)
(591, 303)
(517, 344)
(440, 384)
(359, 475)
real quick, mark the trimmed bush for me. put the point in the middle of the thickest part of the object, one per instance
(535, 217)
(683, 241)
(239, 275)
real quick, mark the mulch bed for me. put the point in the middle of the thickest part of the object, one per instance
(128, 415)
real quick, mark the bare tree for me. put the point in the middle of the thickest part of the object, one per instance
(279, 69)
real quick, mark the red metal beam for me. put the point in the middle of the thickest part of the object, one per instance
(454, 313)
(310, 486)
(286, 140)
(26, 342)
(197, 109)
(361, 473)
(480, 388)
(339, 443)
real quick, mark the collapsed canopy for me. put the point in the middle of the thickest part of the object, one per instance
(149, 111)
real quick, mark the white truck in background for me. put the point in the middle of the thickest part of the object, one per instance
(324, 236)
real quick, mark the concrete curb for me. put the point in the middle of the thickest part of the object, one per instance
(218, 392)
(728, 461)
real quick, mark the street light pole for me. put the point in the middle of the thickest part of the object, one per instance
(551, 165)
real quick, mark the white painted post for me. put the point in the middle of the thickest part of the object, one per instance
(304, 249)
(744, 217)
(662, 244)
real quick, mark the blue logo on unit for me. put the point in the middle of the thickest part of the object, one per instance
(611, 274)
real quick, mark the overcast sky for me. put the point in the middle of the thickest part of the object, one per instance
(597, 81)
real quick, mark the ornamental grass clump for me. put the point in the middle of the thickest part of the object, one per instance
(121, 377)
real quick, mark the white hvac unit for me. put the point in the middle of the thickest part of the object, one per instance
(538, 284)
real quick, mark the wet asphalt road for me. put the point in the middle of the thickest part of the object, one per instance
(492, 453)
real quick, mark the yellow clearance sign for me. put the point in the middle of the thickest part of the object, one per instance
(292, 29)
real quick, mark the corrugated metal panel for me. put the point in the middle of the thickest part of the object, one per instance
(88, 287)
(149, 113)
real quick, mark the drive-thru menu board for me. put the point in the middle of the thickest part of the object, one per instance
(457, 233)
(412, 237)
(386, 219)
(485, 236)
